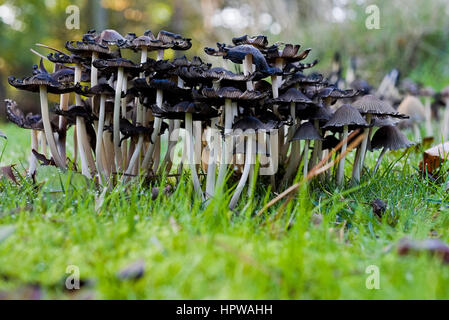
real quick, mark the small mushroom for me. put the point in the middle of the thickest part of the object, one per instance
(306, 132)
(370, 106)
(412, 107)
(388, 138)
(346, 117)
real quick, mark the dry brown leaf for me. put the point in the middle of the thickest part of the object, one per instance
(434, 157)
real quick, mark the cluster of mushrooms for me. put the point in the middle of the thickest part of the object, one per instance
(271, 116)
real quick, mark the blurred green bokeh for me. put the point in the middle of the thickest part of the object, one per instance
(413, 34)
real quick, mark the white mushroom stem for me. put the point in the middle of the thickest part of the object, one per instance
(34, 146)
(116, 120)
(317, 151)
(293, 163)
(446, 122)
(379, 160)
(305, 158)
(341, 165)
(211, 165)
(43, 142)
(360, 157)
(99, 145)
(157, 123)
(139, 120)
(124, 142)
(108, 147)
(64, 104)
(229, 118)
(291, 130)
(81, 134)
(247, 69)
(245, 174)
(173, 137)
(428, 111)
(191, 156)
(93, 71)
(47, 127)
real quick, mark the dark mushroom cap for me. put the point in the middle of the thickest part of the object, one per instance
(408, 86)
(391, 138)
(199, 111)
(370, 104)
(307, 131)
(361, 86)
(346, 115)
(330, 142)
(300, 78)
(178, 42)
(33, 84)
(77, 111)
(110, 37)
(60, 57)
(29, 121)
(100, 89)
(237, 55)
(292, 95)
(114, 64)
(251, 123)
(316, 113)
(86, 48)
(335, 93)
(260, 41)
(149, 43)
(288, 54)
(232, 93)
(382, 121)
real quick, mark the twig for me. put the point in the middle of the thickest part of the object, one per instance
(319, 168)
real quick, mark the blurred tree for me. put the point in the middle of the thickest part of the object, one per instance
(413, 35)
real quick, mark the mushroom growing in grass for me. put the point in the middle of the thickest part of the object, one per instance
(306, 132)
(345, 118)
(87, 161)
(29, 121)
(103, 165)
(228, 95)
(412, 107)
(123, 67)
(370, 106)
(247, 128)
(44, 83)
(290, 98)
(388, 138)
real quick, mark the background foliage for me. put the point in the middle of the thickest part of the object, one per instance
(413, 36)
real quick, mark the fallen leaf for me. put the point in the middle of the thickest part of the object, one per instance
(432, 246)
(8, 173)
(134, 271)
(434, 157)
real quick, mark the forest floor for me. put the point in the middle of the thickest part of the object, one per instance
(327, 244)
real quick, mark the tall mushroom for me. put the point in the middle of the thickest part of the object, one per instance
(412, 107)
(388, 138)
(44, 84)
(306, 132)
(370, 106)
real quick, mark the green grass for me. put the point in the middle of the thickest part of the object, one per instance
(192, 252)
